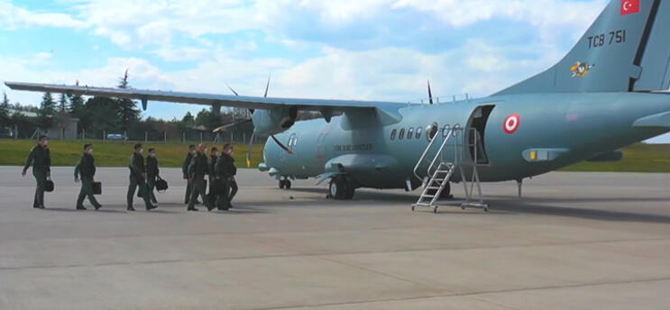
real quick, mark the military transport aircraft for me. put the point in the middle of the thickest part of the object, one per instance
(608, 92)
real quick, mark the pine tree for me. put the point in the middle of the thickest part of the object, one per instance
(46, 111)
(63, 105)
(188, 119)
(127, 109)
(4, 111)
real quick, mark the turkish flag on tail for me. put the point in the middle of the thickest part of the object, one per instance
(630, 7)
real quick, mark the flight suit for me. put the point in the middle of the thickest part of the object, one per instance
(86, 169)
(40, 159)
(152, 174)
(197, 171)
(189, 184)
(137, 171)
(225, 170)
(213, 182)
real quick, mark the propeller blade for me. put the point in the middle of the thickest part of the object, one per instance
(231, 89)
(281, 145)
(251, 145)
(267, 87)
(430, 93)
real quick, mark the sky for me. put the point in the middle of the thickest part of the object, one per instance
(346, 49)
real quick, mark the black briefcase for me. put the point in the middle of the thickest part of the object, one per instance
(49, 186)
(161, 185)
(97, 188)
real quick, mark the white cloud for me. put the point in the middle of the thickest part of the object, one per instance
(13, 17)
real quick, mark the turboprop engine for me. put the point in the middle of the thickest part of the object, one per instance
(274, 121)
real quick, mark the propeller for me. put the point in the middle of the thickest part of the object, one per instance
(251, 140)
(430, 94)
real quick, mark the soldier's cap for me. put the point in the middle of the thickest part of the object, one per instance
(192, 146)
(151, 150)
(87, 145)
(43, 137)
(138, 146)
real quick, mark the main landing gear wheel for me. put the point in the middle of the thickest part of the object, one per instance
(341, 189)
(446, 192)
(285, 184)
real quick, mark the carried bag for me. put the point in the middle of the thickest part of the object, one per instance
(97, 188)
(49, 186)
(139, 192)
(161, 185)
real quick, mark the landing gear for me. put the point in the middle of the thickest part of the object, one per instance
(446, 192)
(285, 183)
(341, 188)
(519, 183)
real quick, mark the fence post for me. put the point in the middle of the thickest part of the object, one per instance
(201, 138)
(125, 136)
(244, 138)
(183, 137)
(165, 136)
(146, 137)
(104, 135)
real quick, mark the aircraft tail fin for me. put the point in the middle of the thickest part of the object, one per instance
(625, 50)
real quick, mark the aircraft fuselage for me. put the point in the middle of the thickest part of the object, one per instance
(559, 129)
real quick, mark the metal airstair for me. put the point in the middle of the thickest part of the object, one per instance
(450, 158)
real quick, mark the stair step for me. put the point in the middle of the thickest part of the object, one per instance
(433, 187)
(427, 196)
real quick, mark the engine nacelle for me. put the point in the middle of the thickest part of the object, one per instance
(270, 122)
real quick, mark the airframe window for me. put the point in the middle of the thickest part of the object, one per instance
(393, 134)
(410, 133)
(401, 135)
(457, 128)
(431, 131)
(445, 131)
(418, 132)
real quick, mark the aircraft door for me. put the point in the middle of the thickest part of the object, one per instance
(475, 134)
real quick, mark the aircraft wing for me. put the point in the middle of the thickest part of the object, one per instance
(212, 99)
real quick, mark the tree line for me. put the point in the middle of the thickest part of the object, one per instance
(98, 116)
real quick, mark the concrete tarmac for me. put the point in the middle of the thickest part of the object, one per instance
(575, 241)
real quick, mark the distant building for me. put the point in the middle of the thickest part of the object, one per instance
(64, 126)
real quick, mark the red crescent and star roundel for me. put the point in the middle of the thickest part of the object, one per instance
(512, 123)
(630, 7)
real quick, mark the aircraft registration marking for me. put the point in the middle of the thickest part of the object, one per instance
(613, 37)
(511, 124)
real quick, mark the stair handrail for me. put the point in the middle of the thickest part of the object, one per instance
(440, 150)
(423, 156)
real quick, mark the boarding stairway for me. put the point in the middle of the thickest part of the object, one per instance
(445, 160)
